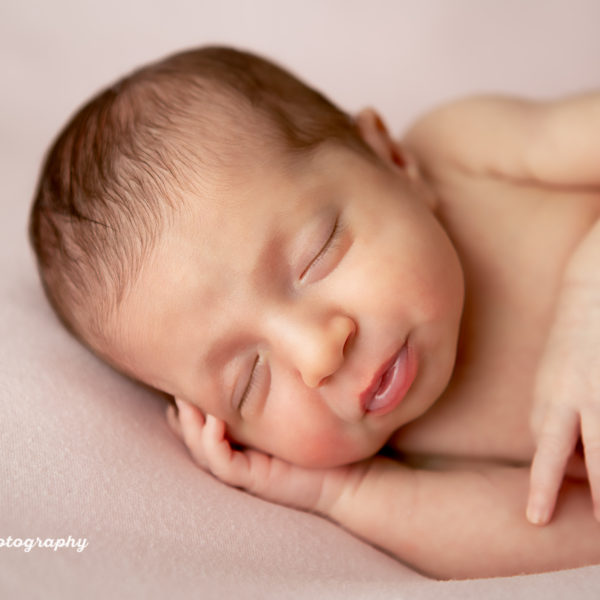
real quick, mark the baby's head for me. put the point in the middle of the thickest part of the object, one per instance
(216, 229)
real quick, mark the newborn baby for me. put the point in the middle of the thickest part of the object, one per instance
(385, 333)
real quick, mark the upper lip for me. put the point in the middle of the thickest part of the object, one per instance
(367, 394)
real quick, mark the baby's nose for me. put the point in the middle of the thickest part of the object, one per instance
(324, 349)
(313, 339)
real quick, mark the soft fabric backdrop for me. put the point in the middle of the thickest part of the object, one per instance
(83, 452)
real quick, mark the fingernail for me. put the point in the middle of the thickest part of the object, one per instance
(536, 515)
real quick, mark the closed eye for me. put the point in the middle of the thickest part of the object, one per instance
(257, 388)
(250, 385)
(330, 244)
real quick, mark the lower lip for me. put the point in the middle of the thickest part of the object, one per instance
(395, 383)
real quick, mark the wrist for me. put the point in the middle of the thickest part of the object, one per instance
(338, 485)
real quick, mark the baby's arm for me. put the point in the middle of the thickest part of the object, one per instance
(546, 142)
(453, 524)
(465, 524)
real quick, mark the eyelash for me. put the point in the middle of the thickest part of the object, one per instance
(329, 245)
(251, 383)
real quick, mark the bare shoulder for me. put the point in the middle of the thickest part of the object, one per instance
(487, 135)
(569, 150)
(554, 142)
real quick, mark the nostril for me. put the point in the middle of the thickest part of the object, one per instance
(315, 382)
(349, 341)
(323, 381)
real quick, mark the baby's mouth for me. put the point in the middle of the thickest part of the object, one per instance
(391, 383)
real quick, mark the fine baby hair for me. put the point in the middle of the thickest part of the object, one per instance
(120, 166)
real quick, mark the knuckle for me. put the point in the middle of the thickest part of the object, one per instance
(224, 469)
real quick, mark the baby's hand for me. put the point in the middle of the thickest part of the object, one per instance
(567, 401)
(259, 474)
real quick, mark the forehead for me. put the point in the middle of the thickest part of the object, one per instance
(207, 255)
(225, 230)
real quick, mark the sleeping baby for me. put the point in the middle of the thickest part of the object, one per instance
(403, 337)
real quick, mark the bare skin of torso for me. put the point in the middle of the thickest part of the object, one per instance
(514, 241)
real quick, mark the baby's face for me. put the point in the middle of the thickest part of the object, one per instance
(315, 309)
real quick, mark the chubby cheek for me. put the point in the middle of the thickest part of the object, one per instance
(326, 449)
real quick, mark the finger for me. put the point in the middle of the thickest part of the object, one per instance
(216, 443)
(590, 434)
(556, 442)
(173, 421)
(191, 422)
(226, 463)
(189, 413)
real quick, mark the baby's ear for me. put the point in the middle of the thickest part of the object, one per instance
(373, 131)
